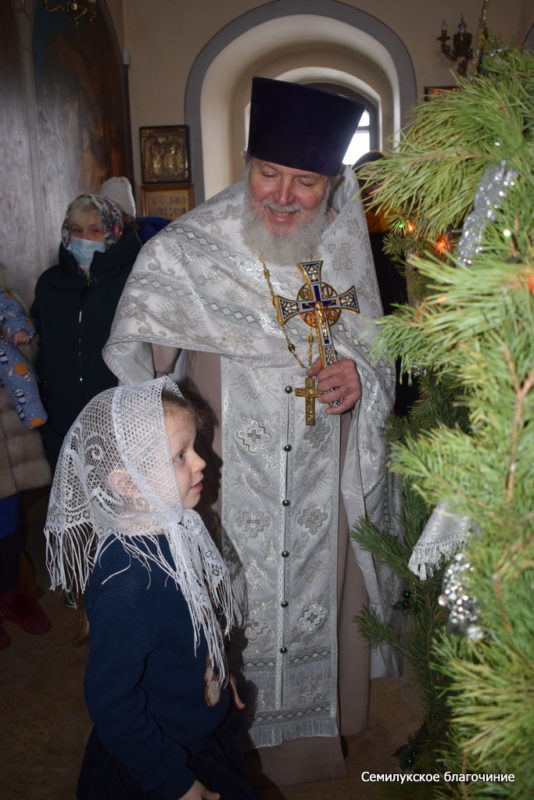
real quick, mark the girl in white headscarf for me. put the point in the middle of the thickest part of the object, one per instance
(121, 528)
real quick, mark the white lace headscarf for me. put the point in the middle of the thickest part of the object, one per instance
(122, 431)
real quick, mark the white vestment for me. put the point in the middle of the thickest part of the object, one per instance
(197, 287)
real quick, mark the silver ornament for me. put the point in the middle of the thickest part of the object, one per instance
(492, 190)
(455, 597)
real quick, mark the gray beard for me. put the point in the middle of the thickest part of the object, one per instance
(301, 245)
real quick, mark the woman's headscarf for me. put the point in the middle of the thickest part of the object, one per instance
(109, 212)
(122, 430)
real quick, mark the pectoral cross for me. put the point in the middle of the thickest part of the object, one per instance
(320, 307)
(310, 392)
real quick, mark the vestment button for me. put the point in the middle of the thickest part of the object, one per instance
(285, 553)
(289, 389)
(283, 650)
(287, 448)
(286, 502)
(284, 604)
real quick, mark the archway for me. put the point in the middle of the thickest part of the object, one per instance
(331, 42)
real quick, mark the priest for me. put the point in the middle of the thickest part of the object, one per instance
(268, 294)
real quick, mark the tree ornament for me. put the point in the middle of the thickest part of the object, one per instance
(407, 754)
(406, 605)
(463, 617)
(489, 197)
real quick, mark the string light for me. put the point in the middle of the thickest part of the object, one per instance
(442, 245)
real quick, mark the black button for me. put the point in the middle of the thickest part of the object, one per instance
(284, 604)
(286, 502)
(289, 389)
(283, 650)
(285, 553)
(287, 448)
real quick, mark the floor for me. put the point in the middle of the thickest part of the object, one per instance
(44, 723)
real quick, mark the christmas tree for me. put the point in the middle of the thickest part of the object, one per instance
(460, 186)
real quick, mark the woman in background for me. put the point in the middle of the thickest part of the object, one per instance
(74, 305)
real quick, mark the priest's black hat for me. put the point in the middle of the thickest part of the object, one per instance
(300, 127)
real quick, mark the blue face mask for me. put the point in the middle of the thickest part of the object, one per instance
(83, 250)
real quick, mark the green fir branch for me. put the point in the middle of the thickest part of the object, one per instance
(469, 439)
(387, 549)
(433, 174)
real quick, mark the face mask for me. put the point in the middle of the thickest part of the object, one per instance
(83, 250)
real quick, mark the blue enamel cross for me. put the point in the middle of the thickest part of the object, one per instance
(320, 307)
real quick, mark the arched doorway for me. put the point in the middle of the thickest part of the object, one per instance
(332, 43)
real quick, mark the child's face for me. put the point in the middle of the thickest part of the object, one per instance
(188, 465)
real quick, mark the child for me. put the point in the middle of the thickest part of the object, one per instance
(22, 464)
(121, 523)
(16, 372)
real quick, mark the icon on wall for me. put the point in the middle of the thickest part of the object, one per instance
(165, 154)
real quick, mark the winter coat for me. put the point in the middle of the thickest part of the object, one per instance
(22, 461)
(73, 312)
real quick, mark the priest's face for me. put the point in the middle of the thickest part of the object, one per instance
(285, 198)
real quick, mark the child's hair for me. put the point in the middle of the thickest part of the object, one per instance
(188, 402)
(171, 400)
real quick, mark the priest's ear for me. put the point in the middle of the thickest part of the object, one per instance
(121, 482)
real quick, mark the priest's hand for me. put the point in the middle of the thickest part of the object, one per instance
(342, 379)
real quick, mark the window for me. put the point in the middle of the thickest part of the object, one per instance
(361, 141)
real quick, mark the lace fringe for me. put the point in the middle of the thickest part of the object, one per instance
(425, 557)
(198, 572)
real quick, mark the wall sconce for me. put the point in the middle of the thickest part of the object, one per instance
(461, 45)
(75, 10)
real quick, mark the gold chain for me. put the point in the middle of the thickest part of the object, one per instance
(290, 346)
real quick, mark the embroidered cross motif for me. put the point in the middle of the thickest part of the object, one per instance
(312, 618)
(320, 307)
(253, 522)
(254, 437)
(312, 518)
(254, 629)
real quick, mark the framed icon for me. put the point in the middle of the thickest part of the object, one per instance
(165, 154)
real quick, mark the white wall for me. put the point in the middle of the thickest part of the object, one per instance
(164, 37)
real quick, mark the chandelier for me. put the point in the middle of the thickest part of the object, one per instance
(75, 10)
(461, 45)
